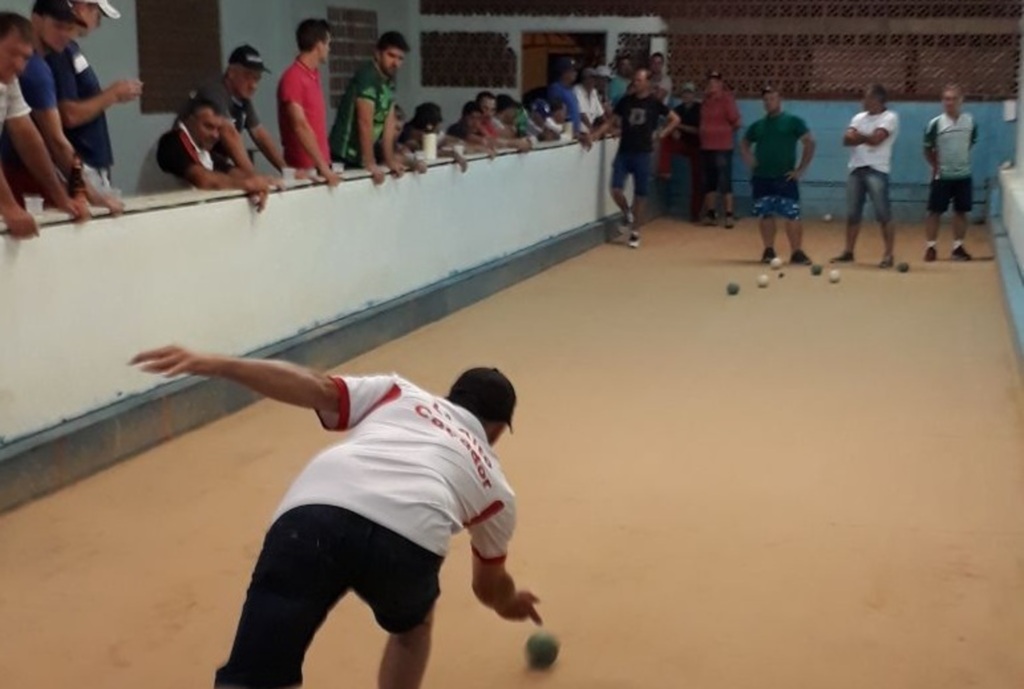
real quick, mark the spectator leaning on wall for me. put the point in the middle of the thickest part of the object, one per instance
(301, 110)
(366, 112)
(189, 152)
(233, 91)
(427, 120)
(562, 90)
(82, 102)
(15, 51)
(54, 24)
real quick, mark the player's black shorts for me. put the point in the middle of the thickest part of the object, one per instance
(311, 557)
(959, 191)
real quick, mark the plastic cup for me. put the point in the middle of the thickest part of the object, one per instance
(34, 205)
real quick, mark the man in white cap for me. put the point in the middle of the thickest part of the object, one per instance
(82, 102)
(588, 96)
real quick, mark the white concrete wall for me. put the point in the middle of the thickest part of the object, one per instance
(80, 301)
(269, 25)
(451, 100)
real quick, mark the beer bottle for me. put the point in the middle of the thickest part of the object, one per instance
(76, 180)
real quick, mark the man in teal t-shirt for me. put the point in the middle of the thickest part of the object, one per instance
(363, 135)
(948, 142)
(769, 149)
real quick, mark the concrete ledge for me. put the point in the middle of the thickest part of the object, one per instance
(1013, 289)
(48, 461)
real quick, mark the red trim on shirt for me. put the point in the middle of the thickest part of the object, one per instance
(490, 560)
(489, 511)
(344, 405)
(189, 148)
(393, 394)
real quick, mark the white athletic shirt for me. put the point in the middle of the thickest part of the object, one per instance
(878, 157)
(12, 104)
(413, 463)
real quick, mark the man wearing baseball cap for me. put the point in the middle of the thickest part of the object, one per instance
(55, 24)
(233, 91)
(374, 514)
(82, 102)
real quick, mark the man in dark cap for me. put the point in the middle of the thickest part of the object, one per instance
(373, 514)
(233, 91)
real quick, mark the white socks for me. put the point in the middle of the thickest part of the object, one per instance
(931, 245)
(957, 243)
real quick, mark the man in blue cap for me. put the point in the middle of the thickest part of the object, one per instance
(562, 90)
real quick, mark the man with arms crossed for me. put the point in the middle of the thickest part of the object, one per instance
(870, 137)
(947, 148)
(776, 174)
(373, 514)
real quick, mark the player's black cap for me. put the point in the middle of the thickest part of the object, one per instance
(248, 57)
(60, 10)
(487, 393)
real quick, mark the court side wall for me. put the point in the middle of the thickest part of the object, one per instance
(217, 276)
(823, 189)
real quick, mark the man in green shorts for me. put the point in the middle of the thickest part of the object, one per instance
(948, 142)
(363, 135)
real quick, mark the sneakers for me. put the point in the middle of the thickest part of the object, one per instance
(768, 255)
(930, 255)
(960, 254)
(710, 219)
(730, 221)
(634, 240)
(845, 257)
(627, 221)
(887, 262)
(799, 258)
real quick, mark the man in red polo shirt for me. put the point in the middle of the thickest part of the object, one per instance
(301, 110)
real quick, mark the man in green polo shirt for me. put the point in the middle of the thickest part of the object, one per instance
(948, 142)
(769, 149)
(363, 135)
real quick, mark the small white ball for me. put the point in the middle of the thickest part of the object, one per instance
(828, 217)
(833, 276)
(776, 263)
(763, 281)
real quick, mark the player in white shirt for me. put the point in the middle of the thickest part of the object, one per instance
(373, 514)
(870, 137)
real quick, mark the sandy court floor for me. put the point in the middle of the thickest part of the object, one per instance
(809, 486)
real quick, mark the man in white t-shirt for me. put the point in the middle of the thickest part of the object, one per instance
(589, 99)
(870, 137)
(373, 514)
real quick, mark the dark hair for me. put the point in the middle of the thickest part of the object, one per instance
(484, 95)
(504, 102)
(427, 115)
(311, 32)
(12, 21)
(556, 104)
(661, 55)
(878, 92)
(392, 39)
(470, 108)
(197, 103)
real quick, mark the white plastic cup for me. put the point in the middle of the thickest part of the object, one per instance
(459, 149)
(430, 145)
(338, 168)
(34, 205)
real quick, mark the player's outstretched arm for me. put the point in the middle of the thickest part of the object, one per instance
(278, 380)
(495, 588)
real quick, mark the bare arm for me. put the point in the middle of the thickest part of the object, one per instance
(877, 137)
(495, 588)
(671, 125)
(75, 113)
(277, 380)
(234, 144)
(19, 222)
(932, 156)
(268, 147)
(31, 148)
(853, 138)
(809, 147)
(308, 139)
(364, 128)
(747, 153)
(63, 154)
(388, 143)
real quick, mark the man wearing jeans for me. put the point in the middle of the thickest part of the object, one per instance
(947, 147)
(871, 136)
(638, 114)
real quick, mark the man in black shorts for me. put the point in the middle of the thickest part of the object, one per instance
(638, 115)
(948, 143)
(373, 515)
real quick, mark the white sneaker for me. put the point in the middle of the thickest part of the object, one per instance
(634, 240)
(627, 221)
